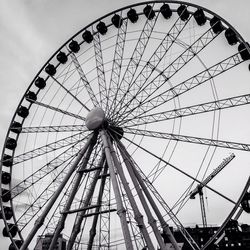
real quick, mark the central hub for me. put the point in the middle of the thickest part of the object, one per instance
(95, 118)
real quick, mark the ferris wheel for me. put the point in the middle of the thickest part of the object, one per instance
(126, 122)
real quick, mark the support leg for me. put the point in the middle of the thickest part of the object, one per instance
(61, 222)
(120, 208)
(164, 225)
(45, 212)
(92, 231)
(151, 219)
(79, 217)
(137, 215)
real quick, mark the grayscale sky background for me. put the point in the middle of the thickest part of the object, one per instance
(31, 30)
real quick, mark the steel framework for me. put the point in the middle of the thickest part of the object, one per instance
(120, 123)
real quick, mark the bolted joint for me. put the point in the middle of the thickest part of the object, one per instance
(39, 222)
(139, 219)
(121, 211)
(92, 232)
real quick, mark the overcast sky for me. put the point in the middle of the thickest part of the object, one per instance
(31, 30)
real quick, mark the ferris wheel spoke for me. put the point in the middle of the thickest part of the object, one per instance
(117, 64)
(67, 141)
(180, 171)
(190, 139)
(231, 102)
(146, 186)
(70, 93)
(150, 66)
(86, 202)
(73, 191)
(58, 110)
(100, 70)
(184, 58)
(37, 204)
(45, 170)
(35, 207)
(56, 193)
(51, 225)
(84, 80)
(40, 201)
(121, 90)
(53, 128)
(189, 84)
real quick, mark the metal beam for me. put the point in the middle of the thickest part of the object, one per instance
(226, 103)
(177, 169)
(203, 210)
(190, 139)
(135, 60)
(186, 56)
(84, 80)
(57, 178)
(92, 231)
(75, 187)
(100, 70)
(151, 219)
(137, 215)
(150, 104)
(54, 128)
(142, 180)
(211, 240)
(48, 207)
(120, 209)
(117, 65)
(46, 169)
(59, 110)
(162, 49)
(67, 141)
(70, 93)
(81, 214)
